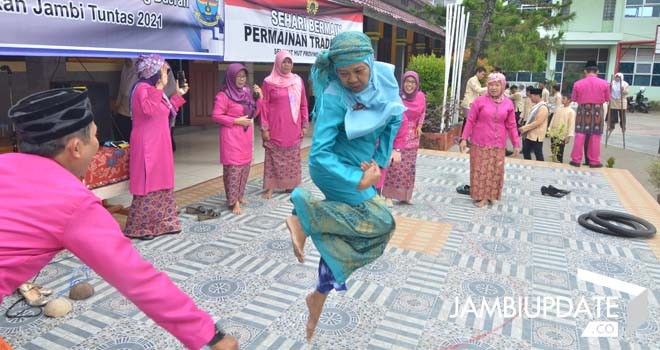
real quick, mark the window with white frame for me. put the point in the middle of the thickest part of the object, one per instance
(640, 67)
(541, 5)
(642, 8)
(570, 64)
(525, 77)
(608, 10)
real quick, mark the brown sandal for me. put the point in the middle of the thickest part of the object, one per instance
(43, 290)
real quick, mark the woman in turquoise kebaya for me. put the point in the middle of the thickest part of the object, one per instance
(357, 104)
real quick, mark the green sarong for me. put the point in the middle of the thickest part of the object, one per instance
(347, 237)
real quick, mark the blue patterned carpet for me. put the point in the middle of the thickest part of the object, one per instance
(242, 271)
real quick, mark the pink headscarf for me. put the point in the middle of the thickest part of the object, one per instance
(416, 101)
(402, 91)
(497, 77)
(290, 81)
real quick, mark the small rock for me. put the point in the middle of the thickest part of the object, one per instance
(81, 291)
(58, 307)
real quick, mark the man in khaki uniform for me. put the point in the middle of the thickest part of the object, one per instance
(472, 91)
(533, 132)
(545, 94)
(516, 96)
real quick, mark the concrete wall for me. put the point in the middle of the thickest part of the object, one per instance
(588, 16)
(639, 28)
(589, 30)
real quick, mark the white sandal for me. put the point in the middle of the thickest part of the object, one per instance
(33, 294)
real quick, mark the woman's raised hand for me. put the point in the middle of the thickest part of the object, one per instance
(182, 91)
(257, 90)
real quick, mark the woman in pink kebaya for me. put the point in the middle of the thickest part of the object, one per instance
(492, 117)
(284, 122)
(400, 178)
(234, 109)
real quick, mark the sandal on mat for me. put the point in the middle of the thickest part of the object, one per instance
(208, 214)
(195, 210)
(32, 295)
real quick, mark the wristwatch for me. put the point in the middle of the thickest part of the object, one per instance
(219, 335)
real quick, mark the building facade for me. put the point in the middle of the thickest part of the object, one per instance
(619, 34)
(396, 34)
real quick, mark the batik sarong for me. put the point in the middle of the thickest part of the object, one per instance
(486, 172)
(589, 119)
(400, 179)
(281, 167)
(153, 214)
(235, 179)
(347, 236)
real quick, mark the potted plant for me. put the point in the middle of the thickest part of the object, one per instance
(610, 162)
(431, 70)
(654, 176)
(556, 137)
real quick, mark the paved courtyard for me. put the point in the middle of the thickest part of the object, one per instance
(242, 271)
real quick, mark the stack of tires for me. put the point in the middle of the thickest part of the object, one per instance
(616, 224)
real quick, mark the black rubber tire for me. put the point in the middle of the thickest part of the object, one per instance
(585, 221)
(604, 218)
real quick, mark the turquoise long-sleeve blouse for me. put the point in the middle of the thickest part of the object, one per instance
(334, 160)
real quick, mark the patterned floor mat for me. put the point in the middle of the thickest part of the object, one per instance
(241, 270)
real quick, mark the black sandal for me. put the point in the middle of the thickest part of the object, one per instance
(209, 214)
(559, 190)
(463, 189)
(145, 238)
(195, 210)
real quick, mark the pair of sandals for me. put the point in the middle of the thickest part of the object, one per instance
(203, 213)
(35, 295)
(553, 191)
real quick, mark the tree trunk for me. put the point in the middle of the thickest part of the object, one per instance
(484, 28)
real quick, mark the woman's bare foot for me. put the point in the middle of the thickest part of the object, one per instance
(481, 203)
(267, 195)
(297, 237)
(237, 209)
(243, 200)
(315, 301)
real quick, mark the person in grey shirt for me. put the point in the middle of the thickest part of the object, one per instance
(122, 123)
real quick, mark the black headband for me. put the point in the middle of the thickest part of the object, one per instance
(534, 91)
(51, 114)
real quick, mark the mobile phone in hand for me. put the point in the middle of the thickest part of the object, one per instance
(245, 128)
(181, 77)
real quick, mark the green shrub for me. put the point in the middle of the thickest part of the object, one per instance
(654, 173)
(610, 162)
(557, 138)
(654, 106)
(431, 70)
